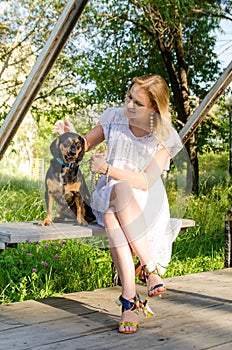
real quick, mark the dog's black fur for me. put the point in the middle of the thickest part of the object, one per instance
(65, 183)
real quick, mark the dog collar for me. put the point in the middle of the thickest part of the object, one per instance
(69, 165)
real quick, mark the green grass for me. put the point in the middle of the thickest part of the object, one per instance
(202, 248)
(42, 269)
(39, 270)
(20, 199)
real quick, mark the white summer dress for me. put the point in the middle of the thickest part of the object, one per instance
(128, 152)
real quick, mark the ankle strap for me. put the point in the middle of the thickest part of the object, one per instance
(129, 305)
(152, 267)
(138, 304)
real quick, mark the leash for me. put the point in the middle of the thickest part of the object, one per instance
(94, 175)
(93, 179)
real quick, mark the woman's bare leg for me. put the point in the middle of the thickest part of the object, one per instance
(121, 254)
(124, 263)
(130, 219)
(126, 230)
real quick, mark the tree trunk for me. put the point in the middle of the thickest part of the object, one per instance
(179, 83)
(193, 169)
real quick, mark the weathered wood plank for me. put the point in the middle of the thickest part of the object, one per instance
(16, 232)
(195, 313)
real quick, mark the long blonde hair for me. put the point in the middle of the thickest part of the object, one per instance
(158, 93)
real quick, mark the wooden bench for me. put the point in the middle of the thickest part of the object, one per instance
(12, 233)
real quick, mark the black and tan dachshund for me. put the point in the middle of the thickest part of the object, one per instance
(65, 183)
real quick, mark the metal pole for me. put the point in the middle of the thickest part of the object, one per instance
(215, 92)
(228, 239)
(39, 72)
(230, 115)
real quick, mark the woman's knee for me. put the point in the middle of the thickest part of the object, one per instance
(122, 186)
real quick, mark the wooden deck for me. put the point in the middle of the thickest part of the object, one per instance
(195, 313)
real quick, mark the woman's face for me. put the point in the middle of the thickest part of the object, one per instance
(138, 105)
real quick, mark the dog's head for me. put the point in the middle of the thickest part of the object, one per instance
(69, 147)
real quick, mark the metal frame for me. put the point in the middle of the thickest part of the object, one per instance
(228, 239)
(230, 116)
(200, 112)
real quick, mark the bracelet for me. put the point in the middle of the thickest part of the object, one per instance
(107, 173)
(107, 169)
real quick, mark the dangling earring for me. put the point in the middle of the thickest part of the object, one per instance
(152, 122)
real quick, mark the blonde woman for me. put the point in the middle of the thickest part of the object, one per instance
(130, 199)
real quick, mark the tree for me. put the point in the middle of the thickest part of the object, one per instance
(25, 26)
(113, 41)
(175, 38)
(215, 129)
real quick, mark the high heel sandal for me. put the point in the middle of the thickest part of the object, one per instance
(130, 313)
(152, 275)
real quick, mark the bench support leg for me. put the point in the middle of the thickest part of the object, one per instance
(2, 246)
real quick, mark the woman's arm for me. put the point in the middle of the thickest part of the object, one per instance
(143, 179)
(94, 137)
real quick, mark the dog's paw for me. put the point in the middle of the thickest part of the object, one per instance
(82, 222)
(59, 219)
(45, 222)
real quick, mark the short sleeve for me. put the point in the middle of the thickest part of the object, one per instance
(110, 116)
(173, 143)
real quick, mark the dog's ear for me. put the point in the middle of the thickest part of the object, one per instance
(81, 154)
(54, 148)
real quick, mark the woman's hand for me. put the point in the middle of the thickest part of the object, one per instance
(62, 126)
(98, 164)
(138, 179)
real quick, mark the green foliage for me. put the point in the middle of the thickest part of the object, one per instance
(112, 42)
(39, 270)
(122, 42)
(214, 132)
(211, 162)
(42, 269)
(202, 248)
(24, 28)
(20, 200)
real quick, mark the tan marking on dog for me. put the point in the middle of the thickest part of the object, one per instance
(80, 210)
(75, 187)
(69, 192)
(54, 186)
(64, 149)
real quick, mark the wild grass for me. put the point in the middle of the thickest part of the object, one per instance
(202, 248)
(39, 270)
(42, 269)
